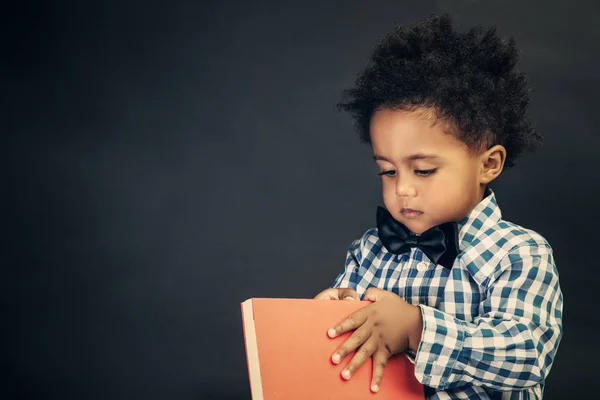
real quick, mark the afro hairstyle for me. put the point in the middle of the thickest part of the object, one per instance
(468, 80)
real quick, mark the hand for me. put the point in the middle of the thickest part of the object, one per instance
(387, 327)
(337, 294)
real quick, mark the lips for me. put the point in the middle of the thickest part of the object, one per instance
(410, 213)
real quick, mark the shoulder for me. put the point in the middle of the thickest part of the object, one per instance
(516, 237)
(504, 246)
(368, 245)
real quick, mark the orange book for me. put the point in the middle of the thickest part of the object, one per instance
(289, 354)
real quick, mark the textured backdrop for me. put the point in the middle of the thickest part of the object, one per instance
(168, 161)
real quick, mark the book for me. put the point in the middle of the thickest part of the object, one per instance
(288, 353)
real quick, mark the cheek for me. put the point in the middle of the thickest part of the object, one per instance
(471, 181)
(459, 186)
(450, 186)
(389, 192)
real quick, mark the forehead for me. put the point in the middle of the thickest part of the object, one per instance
(399, 134)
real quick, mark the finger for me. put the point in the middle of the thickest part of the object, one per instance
(361, 355)
(355, 340)
(328, 294)
(351, 322)
(380, 359)
(374, 294)
(348, 294)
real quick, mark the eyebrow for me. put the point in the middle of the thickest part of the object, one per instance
(417, 156)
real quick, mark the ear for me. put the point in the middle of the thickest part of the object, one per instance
(492, 163)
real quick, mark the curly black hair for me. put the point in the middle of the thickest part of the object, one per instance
(467, 79)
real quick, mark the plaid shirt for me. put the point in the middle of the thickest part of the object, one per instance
(491, 324)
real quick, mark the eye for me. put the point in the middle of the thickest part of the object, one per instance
(424, 172)
(387, 173)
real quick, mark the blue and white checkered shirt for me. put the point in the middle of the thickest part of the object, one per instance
(491, 324)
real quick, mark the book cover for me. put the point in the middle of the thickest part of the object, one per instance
(289, 354)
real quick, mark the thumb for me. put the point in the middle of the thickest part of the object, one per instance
(374, 294)
(347, 294)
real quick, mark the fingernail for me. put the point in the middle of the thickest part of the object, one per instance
(331, 333)
(346, 374)
(348, 298)
(336, 358)
(375, 388)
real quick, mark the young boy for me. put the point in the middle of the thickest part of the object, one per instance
(474, 299)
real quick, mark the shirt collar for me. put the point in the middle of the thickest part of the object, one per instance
(484, 216)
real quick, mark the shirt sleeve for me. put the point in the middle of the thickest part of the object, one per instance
(348, 277)
(512, 343)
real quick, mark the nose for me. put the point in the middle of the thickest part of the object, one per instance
(405, 188)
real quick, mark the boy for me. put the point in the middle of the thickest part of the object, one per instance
(473, 298)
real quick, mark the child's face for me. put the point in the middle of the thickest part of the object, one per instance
(430, 177)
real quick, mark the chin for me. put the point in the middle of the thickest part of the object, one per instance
(418, 231)
(415, 226)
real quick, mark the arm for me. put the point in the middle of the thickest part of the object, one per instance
(347, 278)
(512, 344)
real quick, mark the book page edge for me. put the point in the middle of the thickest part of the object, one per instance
(252, 351)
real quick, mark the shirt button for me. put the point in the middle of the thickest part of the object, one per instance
(421, 267)
(398, 257)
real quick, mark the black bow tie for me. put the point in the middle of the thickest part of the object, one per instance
(439, 243)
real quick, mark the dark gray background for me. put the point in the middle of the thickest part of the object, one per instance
(167, 161)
